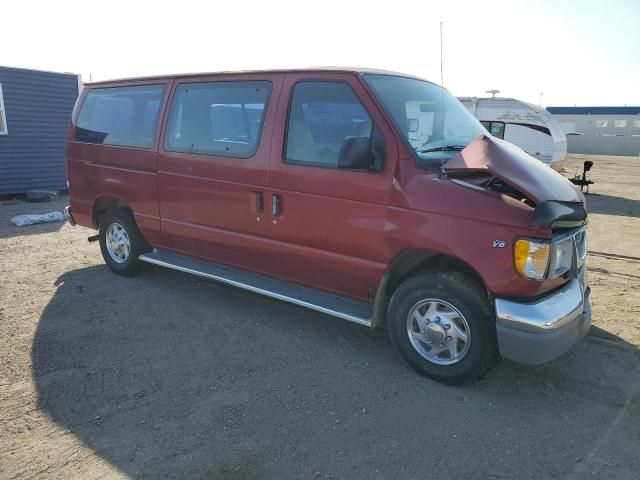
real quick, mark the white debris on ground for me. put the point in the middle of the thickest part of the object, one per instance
(23, 220)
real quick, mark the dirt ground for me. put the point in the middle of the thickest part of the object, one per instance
(167, 376)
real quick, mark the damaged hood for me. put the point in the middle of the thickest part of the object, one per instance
(516, 168)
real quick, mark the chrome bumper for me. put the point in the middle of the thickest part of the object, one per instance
(541, 330)
(69, 216)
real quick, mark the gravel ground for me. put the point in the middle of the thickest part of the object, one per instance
(167, 376)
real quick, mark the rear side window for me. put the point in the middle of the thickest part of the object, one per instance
(321, 116)
(123, 116)
(495, 128)
(217, 118)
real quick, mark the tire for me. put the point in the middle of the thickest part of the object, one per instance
(121, 224)
(441, 310)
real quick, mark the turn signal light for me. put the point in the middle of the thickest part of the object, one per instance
(531, 258)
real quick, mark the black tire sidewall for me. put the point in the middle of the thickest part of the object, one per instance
(137, 244)
(474, 305)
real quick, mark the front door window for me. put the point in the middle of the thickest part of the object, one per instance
(321, 116)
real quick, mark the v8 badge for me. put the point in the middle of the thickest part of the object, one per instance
(499, 243)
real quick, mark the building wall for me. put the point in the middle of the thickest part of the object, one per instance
(601, 145)
(38, 107)
(601, 130)
(622, 125)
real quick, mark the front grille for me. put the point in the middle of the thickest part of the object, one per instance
(580, 240)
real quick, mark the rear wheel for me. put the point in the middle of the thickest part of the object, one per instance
(121, 242)
(442, 325)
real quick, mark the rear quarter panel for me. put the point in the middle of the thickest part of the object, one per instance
(125, 173)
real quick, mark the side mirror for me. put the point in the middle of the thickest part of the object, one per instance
(356, 153)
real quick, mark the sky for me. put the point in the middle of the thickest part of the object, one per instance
(553, 52)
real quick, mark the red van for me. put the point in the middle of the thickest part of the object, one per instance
(370, 196)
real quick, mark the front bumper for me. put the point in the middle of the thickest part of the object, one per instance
(539, 331)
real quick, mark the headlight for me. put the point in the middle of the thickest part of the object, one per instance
(561, 258)
(531, 258)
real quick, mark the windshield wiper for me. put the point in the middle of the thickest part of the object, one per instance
(445, 148)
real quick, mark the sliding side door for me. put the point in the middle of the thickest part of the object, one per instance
(213, 166)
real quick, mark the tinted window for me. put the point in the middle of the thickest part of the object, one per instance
(219, 118)
(125, 116)
(497, 129)
(322, 115)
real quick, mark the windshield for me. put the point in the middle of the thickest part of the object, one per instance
(432, 121)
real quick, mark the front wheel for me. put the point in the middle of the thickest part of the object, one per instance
(121, 242)
(442, 325)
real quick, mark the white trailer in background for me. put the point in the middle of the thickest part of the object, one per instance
(530, 127)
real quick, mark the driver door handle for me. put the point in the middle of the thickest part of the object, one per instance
(259, 202)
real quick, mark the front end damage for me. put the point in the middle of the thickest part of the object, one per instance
(534, 330)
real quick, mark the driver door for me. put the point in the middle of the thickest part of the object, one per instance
(329, 222)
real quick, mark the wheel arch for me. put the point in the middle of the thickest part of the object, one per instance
(104, 203)
(408, 263)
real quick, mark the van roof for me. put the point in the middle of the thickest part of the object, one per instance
(353, 70)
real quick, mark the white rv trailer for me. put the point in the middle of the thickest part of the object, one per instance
(530, 127)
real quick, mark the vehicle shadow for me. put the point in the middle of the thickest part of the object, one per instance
(164, 375)
(612, 205)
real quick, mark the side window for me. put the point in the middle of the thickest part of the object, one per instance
(123, 116)
(3, 115)
(494, 128)
(217, 118)
(497, 129)
(321, 116)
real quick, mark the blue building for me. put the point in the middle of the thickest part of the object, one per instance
(35, 112)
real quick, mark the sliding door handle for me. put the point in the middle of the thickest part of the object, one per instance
(259, 198)
(276, 205)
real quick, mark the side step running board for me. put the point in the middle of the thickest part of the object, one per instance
(356, 311)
